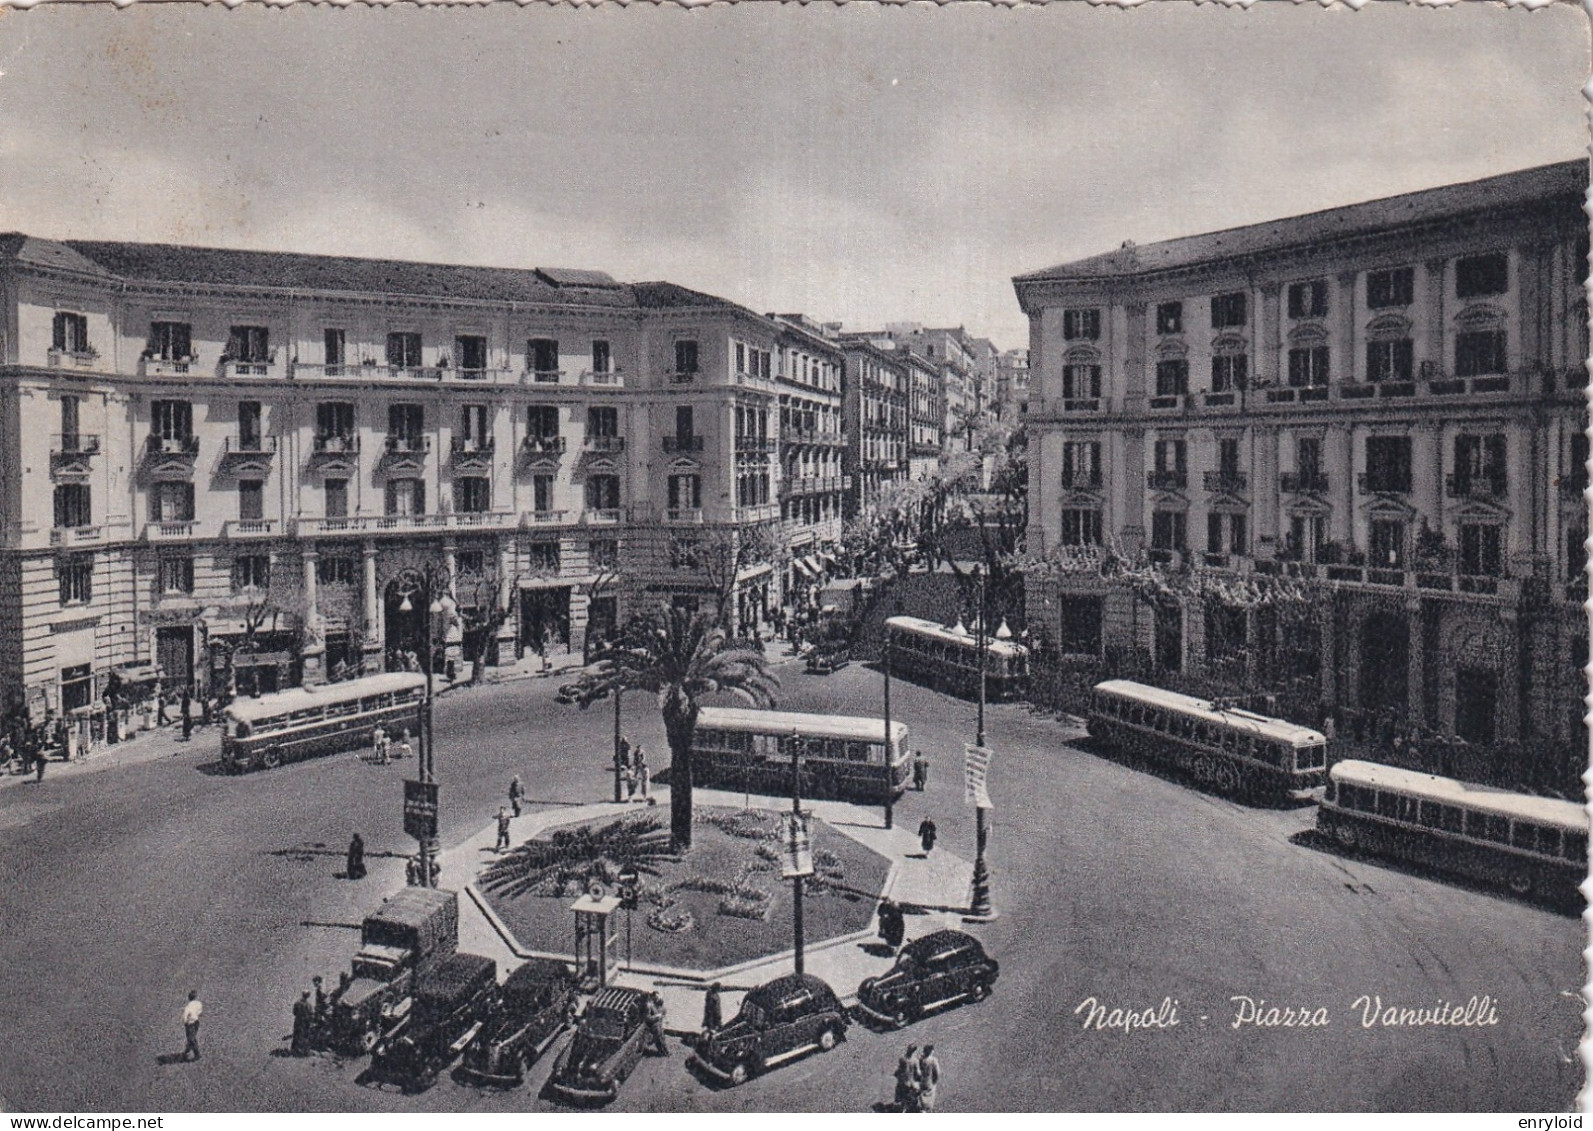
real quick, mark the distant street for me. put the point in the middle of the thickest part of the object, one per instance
(126, 888)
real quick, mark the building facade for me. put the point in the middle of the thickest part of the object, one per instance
(197, 443)
(810, 366)
(875, 417)
(1385, 401)
(1012, 387)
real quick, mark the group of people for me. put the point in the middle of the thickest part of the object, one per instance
(383, 749)
(312, 1015)
(917, 1079)
(634, 772)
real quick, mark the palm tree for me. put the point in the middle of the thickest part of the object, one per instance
(680, 656)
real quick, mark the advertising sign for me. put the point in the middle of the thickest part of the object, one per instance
(976, 767)
(420, 809)
(796, 847)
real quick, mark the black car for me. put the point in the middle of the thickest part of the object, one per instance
(534, 1005)
(778, 1021)
(451, 1001)
(940, 969)
(826, 662)
(609, 1041)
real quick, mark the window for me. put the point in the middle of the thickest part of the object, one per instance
(406, 496)
(1169, 455)
(336, 570)
(1081, 382)
(1391, 359)
(249, 344)
(1308, 300)
(251, 499)
(170, 341)
(1229, 371)
(171, 420)
(69, 423)
(602, 492)
(1480, 463)
(542, 421)
(1081, 526)
(1308, 366)
(1167, 530)
(251, 571)
(1228, 310)
(542, 493)
(602, 359)
(70, 333)
(471, 563)
(1388, 544)
(1081, 463)
(171, 502)
(249, 426)
(741, 358)
(334, 420)
(1228, 456)
(543, 355)
(683, 424)
(473, 426)
(470, 353)
(1308, 457)
(1081, 325)
(1226, 533)
(602, 422)
(336, 498)
(176, 575)
(685, 492)
(686, 355)
(1170, 318)
(406, 425)
(603, 553)
(1172, 377)
(473, 494)
(1306, 533)
(76, 578)
(1390, 288)
(1480, 275)
(1388, 463)
(1480, 352)
(1479, 549)
(542, 557)
(336, 345)
(403, 350)
(72, 505)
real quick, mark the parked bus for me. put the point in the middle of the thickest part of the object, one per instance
(1231, 751)
(1511, 840)
(303, 722)
(948, 659)
(842, 757)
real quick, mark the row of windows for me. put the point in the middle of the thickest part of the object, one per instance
(1546, 840)
(1177, 725)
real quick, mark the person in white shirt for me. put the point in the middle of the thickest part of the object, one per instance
(191, 1013)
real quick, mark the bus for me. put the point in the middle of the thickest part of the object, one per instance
(1528, 845)
(841, 757)
(1231, 751)
(303, 722)
(947, 659)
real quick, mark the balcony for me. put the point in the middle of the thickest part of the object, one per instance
(73, 359)
(1081, 404)
(1073, 480)
(1370, 484)
(180, 531)
(1484, 486)
(603, 516)
(543, 518)
(1218, 400)
(167, 366)
(247, 453)
(242, 528)
(756, 444)
(605, 445)
(612, 379)
(1167, 403)
(683, 443)
(471, 452)
(404, 523)
(762, 512)
(71, 455)
(541, 376)
(480, 520)
(231, 367)
(171, 455)
(336, 451)
(473, 376)
(1297, 393)
(539, 444)
(1227, 482)
(1304, 483)
(683, 516)
(404, 453)
(681, 376)
(1175, 480)
(77, 535)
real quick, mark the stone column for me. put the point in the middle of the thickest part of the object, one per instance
(1427, 472)
(1270, 340)
(1340, 468)
(1430, 331)
(453, 637)
(1416, 667)
(507, 594)
(1128, 495)
(313, 655)
(1264, 490)
(1345, 364)
(374, 628)
(1131, 390)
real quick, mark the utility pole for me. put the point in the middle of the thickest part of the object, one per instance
(890, 767)
(796, 881)
(619, 758)
(981, 909)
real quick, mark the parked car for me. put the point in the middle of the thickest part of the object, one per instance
(609, 1040)
(412, 929)
(567, 694)
(778, 1021)
(825, 662)
(941, 969)
(451, 1003)
(534, 1005)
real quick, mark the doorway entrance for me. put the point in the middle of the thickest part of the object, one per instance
(174, 653)
(545, 617)
(1476, 701)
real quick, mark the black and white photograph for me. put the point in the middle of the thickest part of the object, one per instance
(777, 558)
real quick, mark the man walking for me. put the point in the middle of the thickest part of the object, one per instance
(302, 1012)
(926, 835)
(653, 1011)
(920, 770)
(191, 1013)
(503, 829)
(188, 715)
(928, 1078)
(641, 772)
(379, 745)
(515, 793)
(907, 1080)
(355, 869)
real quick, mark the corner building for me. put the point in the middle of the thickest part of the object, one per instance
(194, 438)
(1384, 400)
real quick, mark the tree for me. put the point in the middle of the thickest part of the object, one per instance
(995, 520)
(719, 557)
(680, 656)
(485, 617)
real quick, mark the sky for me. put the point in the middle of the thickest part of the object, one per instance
(857, 163)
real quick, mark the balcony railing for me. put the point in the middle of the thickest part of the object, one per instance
(1486, 486)
(73, 359)
(543, 518)
(609, 444)
(167, 366)
(76, 535)
(171, 531)
(549, 445)
(756, 444)
(612, 379)
(684, 515)
(74, 444)
(1081, 480)
(1227, 482)
(251, 528)
(408, 445)
(1382, 484)
(234, 368)
(472, 445)
(762, 512)
(1304, 483)
(1170, 401)
(1081, 404)
(683, 443)
(248, 446)
(603, 516)
(405, 523)
(542, 376)
(681, 376)
(1167, 480)
(478, 520)
(172, 446)
(336, 445)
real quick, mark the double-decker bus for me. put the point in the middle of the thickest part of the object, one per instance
(1232, 751)
(303, 722)
(948, 660)
(1510, 840)
(841, 757)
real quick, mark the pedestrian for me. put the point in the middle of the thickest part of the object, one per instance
(110, 726)
(160, 707)
(713, 1015)
(188, 715)
(302, 1012)
(928, 1078)
(322, 1006)
(630, 783)
(412, 871)
(892, 924)
(191, 1013)
(926, 834)
(379, 745)
(503, 829)
(38, 764)
(205, 710)
(642, 773)
(920, 770)
(356, 858)
(653, 1011)
(515, 793)
(404, 749)
(907, 1080)
(1329, 729)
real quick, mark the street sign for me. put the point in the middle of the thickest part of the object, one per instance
(420, 809)
(796, 846)
(976, 768)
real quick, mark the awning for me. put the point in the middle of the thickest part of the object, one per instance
(804, 566)
(752, 571)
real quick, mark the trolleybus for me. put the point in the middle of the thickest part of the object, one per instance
(1510, 840)
(1231, 751)
(948, 659)
(841, 757)
(303, 722)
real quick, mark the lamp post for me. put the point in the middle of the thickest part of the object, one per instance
(981, 909)
(619, 756)
(890, 770)
(430, 585)
(796, 880)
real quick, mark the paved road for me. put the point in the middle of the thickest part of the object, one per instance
(124, 889)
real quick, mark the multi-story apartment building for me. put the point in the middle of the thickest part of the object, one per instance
(875, 417)
(926, 414)
(1012, 387)
(809, 368)
(192, 437)
(1385, 400)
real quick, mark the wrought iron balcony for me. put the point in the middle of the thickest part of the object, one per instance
(1227, 482)
(1489, 485)
(1076, 480)
(1304, 483)
(607, 444)
(336, 445)
(683, 443)
(538, 443)
(408, 445)
(1383, 484)
(613, 379)
(74, 444)
(473, 445)
(172, 446)
(1174, 480)
(542, 376)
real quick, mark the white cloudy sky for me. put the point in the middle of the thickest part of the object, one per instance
(858, 163)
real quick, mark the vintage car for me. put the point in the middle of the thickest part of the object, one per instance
(940, 969)
(412, 929)
(609, 1040)
(825, 661)
(778, 1021)
(451, 1003)
(534, 1005)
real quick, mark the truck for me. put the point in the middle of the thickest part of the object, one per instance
(452, 999)
(411, 931)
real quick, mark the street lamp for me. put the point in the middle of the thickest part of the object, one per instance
(796, 878)
(981, 909)
(890, 783)
(619, 754)
(429, 583)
